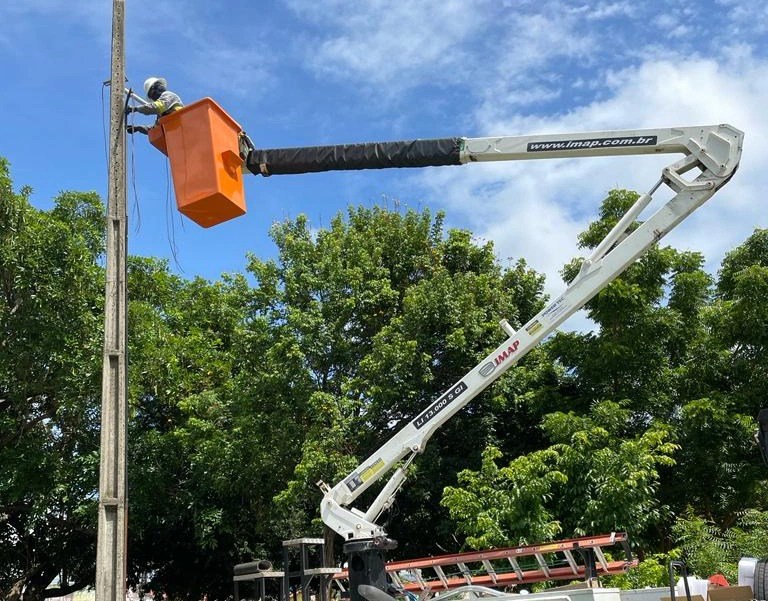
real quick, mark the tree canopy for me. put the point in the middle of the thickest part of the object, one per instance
(245, 391)
(51, 306)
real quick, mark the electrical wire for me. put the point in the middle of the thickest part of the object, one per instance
(170, 231)
(122, 129)
(105, 134)
(170, 228)
(169, 217)
(136, 205)
(169, 223)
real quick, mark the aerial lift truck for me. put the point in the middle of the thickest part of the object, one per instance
(222, 151)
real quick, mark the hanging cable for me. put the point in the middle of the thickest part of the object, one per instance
(122, 129)
(136, 205)
(170, 227)
(169, 223)
(105, 133)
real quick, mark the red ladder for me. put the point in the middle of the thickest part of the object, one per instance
(560, 560)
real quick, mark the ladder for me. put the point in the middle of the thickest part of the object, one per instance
(570, 559)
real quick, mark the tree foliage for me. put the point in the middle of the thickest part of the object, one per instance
(661, 400)
(593, 478)
(246, 391)
(386, 311)
(50, 350)
(711, 549)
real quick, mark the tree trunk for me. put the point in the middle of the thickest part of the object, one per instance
(32, 585)
(14, 593)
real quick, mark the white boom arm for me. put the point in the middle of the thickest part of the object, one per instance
(714, 151)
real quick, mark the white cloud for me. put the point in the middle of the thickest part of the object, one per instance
(24, 19)
(197, 44)
(483, 46)
(535, 210)
(745, 16)
(385, 42)
(501, 67)
(603, 10)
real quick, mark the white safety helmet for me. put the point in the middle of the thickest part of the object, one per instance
(152, 81)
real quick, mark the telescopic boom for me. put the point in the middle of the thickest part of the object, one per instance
(711, 152)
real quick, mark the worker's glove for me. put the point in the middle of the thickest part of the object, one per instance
(137, 129)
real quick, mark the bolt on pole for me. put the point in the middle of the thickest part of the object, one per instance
(113, 509)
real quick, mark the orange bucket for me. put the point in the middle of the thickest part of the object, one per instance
(202, 143)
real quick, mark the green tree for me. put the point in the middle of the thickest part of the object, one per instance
(595, 477)
(386, 311)
(646, 319)
(711, 549)
(739, 320)
(613, 474)
(718, 469)
(243, 397)
(51, 298)
(658, 396)
(195, 452)
(719, 475)
(503, 506)
(653, 351)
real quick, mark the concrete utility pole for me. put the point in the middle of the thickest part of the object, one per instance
(113, 507)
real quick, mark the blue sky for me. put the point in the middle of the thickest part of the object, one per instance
(308, 72)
